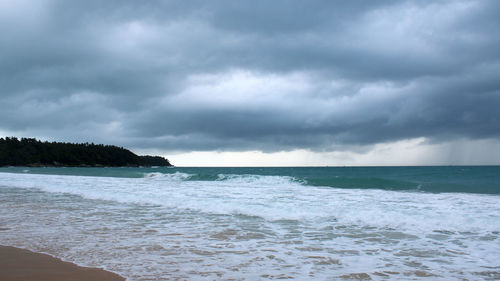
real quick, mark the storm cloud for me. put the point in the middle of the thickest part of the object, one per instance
(255, 75)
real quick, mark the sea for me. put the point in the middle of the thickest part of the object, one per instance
(299, 223)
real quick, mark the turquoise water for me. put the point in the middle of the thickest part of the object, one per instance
(304, 223)
(472, 179)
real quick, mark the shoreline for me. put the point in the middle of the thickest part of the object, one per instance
(18, 264)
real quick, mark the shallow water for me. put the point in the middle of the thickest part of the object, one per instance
(178, 225)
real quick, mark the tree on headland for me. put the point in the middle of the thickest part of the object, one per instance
(32, 152)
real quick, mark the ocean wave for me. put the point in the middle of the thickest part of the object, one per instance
(258, 179)
(275, 198)
(177, 176)
(482, 180)
(254, 179)
(230, 178)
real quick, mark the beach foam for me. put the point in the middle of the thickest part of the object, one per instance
(249, 226)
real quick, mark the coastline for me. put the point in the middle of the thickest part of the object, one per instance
(19, 264)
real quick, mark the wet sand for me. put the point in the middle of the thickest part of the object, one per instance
(23, 265)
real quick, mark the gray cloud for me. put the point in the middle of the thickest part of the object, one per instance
(270, 76)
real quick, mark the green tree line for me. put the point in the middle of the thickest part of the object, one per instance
(32, 152)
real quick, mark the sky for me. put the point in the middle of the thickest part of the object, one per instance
(258, 83)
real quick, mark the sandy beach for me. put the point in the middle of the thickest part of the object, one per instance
(22, 265)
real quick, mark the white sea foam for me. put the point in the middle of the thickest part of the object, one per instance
(249, 226)
(177, 176)
(280, 198)
(258, 180)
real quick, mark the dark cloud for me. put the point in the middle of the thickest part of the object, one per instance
(270, 76)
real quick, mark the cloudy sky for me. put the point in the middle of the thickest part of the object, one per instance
(257, 82)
